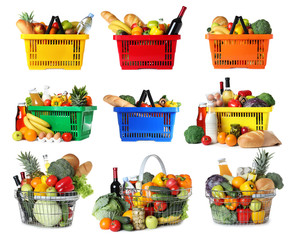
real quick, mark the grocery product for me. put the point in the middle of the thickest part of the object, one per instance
(211, 124)
(176, 23)
(85, 25)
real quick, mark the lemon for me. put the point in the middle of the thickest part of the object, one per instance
(40, 189)
(43, 179)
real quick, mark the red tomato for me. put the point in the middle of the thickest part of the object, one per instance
(245, 201)
(70, 213)
(174, 190)
(206, 140)
(51, 181)
(115, 226)
(134, 25)
(55, 25)
(144, 105)
(160, 206)
(244, 130)
(65, 104)
(47, 102)
(230, 25)
(145, 29)
(218, 201)
(67, 137)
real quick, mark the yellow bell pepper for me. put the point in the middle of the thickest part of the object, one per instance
(155, 31)
(56, 101)
(160, 179)
(171, 104)
(138, 200)
(239, 29)
(249, 188)
(258, 217)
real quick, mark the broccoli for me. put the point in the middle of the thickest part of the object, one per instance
(128, 98)
(277, 179)
(267, 98)
(147, 177)
(261, 27)
(194, 134)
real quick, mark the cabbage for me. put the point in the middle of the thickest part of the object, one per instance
(48, 213)
(255, 102)
(213, 181)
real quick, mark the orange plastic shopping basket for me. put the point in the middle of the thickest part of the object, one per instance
(239, 51)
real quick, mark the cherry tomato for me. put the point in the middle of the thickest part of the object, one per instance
(245, 201)
(51, 181)
(206, 140)
(244, 130)
(115, 226)
(160, 206)
(67, 137)
(218, 201)
(230, 25)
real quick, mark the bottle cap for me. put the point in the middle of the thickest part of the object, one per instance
(91, 15)
(202, 104)
(227, 82)
(125, 179)
(21, 104)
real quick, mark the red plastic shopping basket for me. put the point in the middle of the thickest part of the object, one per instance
(146, 51)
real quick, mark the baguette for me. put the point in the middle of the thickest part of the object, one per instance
(109, 17)
(116, 101)
(130, 19)
(24, 27)
(270, 139)
(85, 168)
(253, 139)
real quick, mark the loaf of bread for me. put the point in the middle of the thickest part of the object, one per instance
(109, 17)
(130, 19)
(253, 139)
(270, 139)
(117, 101)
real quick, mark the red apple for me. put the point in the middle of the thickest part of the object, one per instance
(244, 130)
(39, 28)
(25, 181)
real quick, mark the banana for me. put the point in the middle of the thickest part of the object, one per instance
(74, 24)
(37, 120)
(221, 29)
(216, 32)
(122, 25)
(28, 124)
(115, 28)
(41, 127)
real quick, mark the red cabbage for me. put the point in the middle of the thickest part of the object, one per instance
(255, 102)
(213, 181)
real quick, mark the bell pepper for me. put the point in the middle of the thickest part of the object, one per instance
(146, 193)
(234, 103)
(258, 217)
(152, 24)
(231, 203)
(184, 181)
(239, 29)
(64, 185)
(56, 101)
(248, 188)
(155, 31)
(149, 211)
(138, 200)
(244, 215)
(171, 104)
(160, 206)
(159, 179)
(245, 93)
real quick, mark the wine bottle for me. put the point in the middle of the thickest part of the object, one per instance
(176, 23)
(17, 181)
(221, 87)
(115, 186)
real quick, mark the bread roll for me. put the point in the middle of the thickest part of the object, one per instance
(109, 17)
(116, 101)
(130, 19)
(253, 139)
(73, 160)
(85, 169)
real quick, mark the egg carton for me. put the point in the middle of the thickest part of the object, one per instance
(56, 138)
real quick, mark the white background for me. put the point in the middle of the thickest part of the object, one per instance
(192, 77)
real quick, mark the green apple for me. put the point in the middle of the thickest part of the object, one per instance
(51, 192)
(25, 189)
(255, 205)
(151, 222)
(66, 25)
(214, 25)
(17, 136)
(218, 192)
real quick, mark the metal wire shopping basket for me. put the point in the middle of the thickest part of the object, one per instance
(46, 211)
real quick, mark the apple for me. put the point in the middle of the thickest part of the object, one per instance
(25, 181)
(39, 28)
(17, 136)
(25, 189)
(214, 25)
(51, 192)
(244, 130)
(151, 222)
(47, 102)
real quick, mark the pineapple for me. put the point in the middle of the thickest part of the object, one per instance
(261, 163)
(26, 17)
(30, 164)
(78, 96)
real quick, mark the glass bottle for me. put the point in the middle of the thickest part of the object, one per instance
(46, 163)
(200, 120)
(21, 113)
(228, 93)
(115, 186)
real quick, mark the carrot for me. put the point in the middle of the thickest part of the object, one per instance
(25, 27)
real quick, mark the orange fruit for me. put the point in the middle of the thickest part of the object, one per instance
(105, 223)
(30, 135)
(35, 181)
(231, 140)
(40, 189)
(238, 181)
(128, 214)
(221, 138)
(24, 130)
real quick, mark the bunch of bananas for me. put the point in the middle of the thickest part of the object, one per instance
(118, 25)
(36, 124)
(219, 30)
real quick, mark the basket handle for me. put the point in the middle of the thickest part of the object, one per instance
(144, 94)
(54, 18)
(142, 168)
(237, 18)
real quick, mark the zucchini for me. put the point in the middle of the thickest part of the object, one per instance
(122, 220)
(65, 212)
(127, 227)
(163, 197)
(160, 190)
(230, 191)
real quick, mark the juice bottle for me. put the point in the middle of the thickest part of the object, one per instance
(46, 163)
(200, 120)
(227, 93)
(224, 168)
(35, 98)
(21, 113)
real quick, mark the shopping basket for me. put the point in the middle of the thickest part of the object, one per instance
(74, 120)
(239, 51)
(44, 211)
(144, 198)
(229, 211)
(146, 51)
(255, 118)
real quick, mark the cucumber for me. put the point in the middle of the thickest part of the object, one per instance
(122, 220)
(160, 190)
(65, 212)
(163, 197)
(127, 227)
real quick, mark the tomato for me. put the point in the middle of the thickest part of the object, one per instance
(149, 211)
(105, 223)
(47, 102)
(206, 140)
(245, 201)
(160, 206)
(67, 137)
(244, 130)
(51, 181)
(70, 213)
(65, 104)
(144, 105)
(230, 25)
(218, 201)
(115, 226)
(174, 190)
(89, 101)
(55, 25)
(134, 25)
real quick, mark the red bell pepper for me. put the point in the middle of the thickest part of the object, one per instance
(149, 211)
(67, 181)
(160, 206)
(245, 93)
(67, 188)
(218, 201)
(244, 215)
(234, 103)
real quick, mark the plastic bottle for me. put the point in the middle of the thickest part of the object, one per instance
(85, 24)
(224, 168)
(21, 113)
(200, 120)
(46, 93)
(211, 123)
(35, 98)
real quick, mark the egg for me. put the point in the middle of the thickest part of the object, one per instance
(42, 135)
(49, 136)
(210, 97)
(57, 136)
(217, 96)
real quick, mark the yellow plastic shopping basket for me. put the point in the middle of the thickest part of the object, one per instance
(58, 51)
